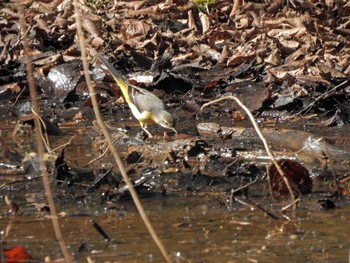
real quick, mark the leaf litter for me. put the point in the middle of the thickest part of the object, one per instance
(288, 63)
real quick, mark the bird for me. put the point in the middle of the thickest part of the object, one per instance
(146, 107)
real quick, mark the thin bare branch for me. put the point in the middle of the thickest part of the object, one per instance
(262, 138)
(109, 139)
(41, 151)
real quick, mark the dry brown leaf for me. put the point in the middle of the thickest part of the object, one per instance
(206, 51)
(134, 28)
(347, 71)
(191, 21)
(257, 20)
(274, 7)
(238, 58)
(329, 3)
(224, 55)
(280, 73)
(345, 61)
(236, 6)
(288, 46)
(298, 176)
(274, 58)
(308, 78)
(205, 22)
(242, 23)
(97, 42)
(13, 87)
(334, 73)
(297, 55)
(274, 22)
(47, 59)
(298, 31)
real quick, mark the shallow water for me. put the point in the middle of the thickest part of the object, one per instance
(195, 227)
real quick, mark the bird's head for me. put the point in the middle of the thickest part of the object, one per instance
(166, 120)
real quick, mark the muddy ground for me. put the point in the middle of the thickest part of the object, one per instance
(210, 189)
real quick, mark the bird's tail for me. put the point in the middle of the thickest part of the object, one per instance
(122, 82)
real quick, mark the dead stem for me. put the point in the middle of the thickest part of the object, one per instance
(42, 124)
(308, 145)
(64, 145)
(262, 138)
(251, 204)
(109, 139)
(330, 161)
(233, 191)
(323, 95)
(269, 183)
(15, 102)
(101, 231)
(41, 151)
(291, 204)
(98, 157)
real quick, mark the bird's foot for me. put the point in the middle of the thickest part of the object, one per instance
(148, 133)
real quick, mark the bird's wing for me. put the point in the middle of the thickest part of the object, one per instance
(145, 100)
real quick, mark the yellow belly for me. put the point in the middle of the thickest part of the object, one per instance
(144, 117)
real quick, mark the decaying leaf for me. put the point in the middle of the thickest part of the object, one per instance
(297, 175)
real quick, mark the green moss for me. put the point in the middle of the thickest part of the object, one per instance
(203, 5)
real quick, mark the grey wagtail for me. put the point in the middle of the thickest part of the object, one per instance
(145, 106)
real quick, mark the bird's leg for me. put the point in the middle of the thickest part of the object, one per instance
(148, 133)
(145, 129)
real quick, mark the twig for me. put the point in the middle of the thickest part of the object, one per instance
(269, 182)
(332, 169)
(251, 204)
(109, 139)
(291, 204)
(19, 40)
(2, 241)
(100, 230)
(42, 124)
(98, 157)
(46, 182)
(308, 145)
(64, 145)
(15, 102)
(262, 138)
(233, 191)
(320, 97)
(327, 155)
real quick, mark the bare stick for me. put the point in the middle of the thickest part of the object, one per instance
(39, 141)
(109, 139)
(64, 145)
(98, 157)
(262, 138)
(330, 159)
(269, 182)
(251, 204)
(323, 95)
(291, 204)
(233, 191)
(46, 139)
(15, 102)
